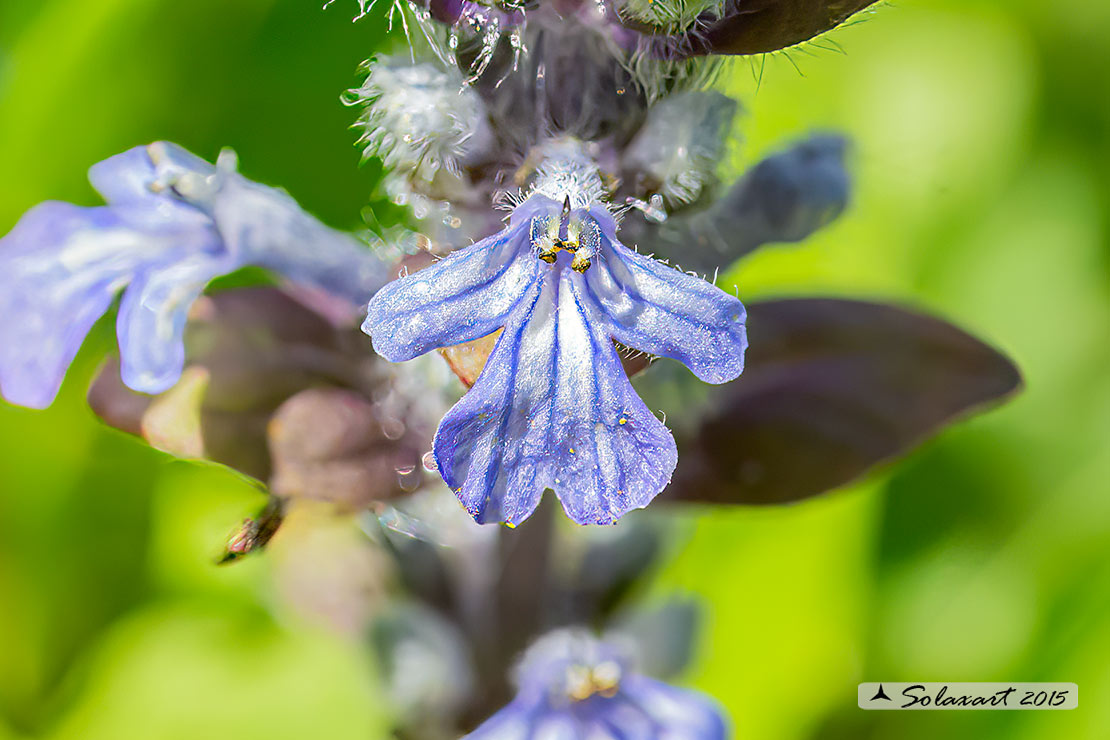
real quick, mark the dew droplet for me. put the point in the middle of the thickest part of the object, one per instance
(405, 469)
(429, 462)
(393, 428)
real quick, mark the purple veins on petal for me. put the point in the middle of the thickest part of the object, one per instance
(553, 409)
(655, 308)
(464, 296)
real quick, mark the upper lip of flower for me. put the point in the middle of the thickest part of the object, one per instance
(553, 407)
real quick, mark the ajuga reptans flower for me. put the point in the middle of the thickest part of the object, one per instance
(574, 686)
(553, 407)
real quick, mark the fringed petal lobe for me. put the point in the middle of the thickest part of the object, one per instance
(466, 295)
(655, 308)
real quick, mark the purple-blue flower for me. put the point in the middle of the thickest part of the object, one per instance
(553, 407)
(173, 223)
(572, 686)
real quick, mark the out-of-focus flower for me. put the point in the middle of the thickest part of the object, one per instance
(419, 119)
(676, 151)
(783, 198)
(427, 668)
(432, 132)
(173, 223)
(553, 407)
(572, 686)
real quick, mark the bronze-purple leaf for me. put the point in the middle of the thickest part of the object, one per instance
(274, 390)
(759, 26)
(115, 403)
(832, 387)
(253, 347)
(330, 444)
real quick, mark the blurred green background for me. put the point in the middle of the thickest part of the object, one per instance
(982, 156)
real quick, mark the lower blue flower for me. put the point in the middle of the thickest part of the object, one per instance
(173, 223)
(572, 686)
(553, 407)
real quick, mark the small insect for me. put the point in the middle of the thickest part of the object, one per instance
(254, 534)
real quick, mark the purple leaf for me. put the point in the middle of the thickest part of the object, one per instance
(285, 398)
(832, 388)
(330, 444)
(759, 27)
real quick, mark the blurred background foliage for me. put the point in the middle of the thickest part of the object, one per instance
(982, 139)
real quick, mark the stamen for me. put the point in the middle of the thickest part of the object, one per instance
(583, 681)
(567, 238)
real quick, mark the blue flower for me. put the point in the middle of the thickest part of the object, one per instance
(572, 686)
(553, 407)
(173, 222)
